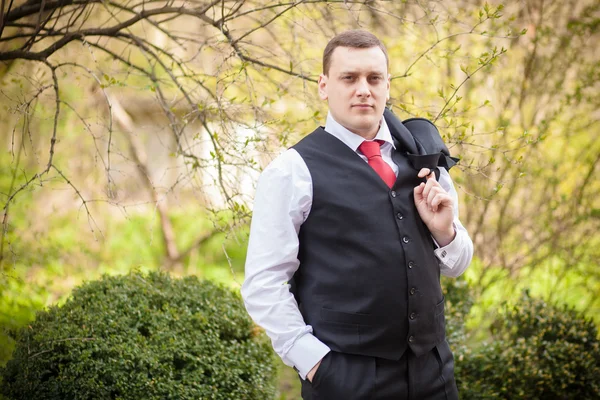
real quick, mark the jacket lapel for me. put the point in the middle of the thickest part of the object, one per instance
(400, 134)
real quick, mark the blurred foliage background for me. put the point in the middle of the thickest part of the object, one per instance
(133, 132)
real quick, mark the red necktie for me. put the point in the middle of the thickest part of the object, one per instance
(372, 151)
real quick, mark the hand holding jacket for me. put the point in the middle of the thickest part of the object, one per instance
(435, 207)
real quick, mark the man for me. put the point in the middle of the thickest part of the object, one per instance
(362, 237)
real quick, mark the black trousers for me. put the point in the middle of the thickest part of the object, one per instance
(344, 376)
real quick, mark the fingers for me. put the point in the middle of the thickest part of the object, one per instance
(431, 182)
(440, 200)
(431, 192)
(437, 196)
(424, 172)
(419, 191)
(431, 195)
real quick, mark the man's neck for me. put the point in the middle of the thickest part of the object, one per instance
(369, 135)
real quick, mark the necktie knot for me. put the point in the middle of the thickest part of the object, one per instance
(370, 149)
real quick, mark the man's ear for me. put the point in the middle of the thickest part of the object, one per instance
(323, 87)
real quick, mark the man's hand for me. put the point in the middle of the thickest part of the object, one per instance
(312, 372)
(436, 208)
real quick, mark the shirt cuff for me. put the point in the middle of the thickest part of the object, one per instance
(450, 253)
(306, 352)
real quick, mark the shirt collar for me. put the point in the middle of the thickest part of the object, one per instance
(353, 140)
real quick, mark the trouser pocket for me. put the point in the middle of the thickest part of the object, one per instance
(346, 376)
(446, 365)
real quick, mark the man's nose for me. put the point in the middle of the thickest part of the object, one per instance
(362, 88)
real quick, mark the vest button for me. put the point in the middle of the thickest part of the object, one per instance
(405, 239)
(393, 193)
(412, 290)
(411, 339)
(411, 264)
(400, 216)
(412, 316)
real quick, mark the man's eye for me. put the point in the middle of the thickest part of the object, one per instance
(375, 78)
(347, 78)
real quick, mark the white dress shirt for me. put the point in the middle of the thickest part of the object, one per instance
(282, 203)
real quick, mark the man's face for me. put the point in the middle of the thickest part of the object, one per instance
(356, 88)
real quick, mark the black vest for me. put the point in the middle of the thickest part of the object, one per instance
(368, 281)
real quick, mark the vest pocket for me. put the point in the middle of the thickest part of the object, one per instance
(439, 307)
(342, 317)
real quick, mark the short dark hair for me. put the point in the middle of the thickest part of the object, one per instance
(355, 38)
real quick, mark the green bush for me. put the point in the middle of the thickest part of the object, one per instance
(142, 337)
(538, 351)
(457, 308)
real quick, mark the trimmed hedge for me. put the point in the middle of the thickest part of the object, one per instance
(539, 351)
(142, 337)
